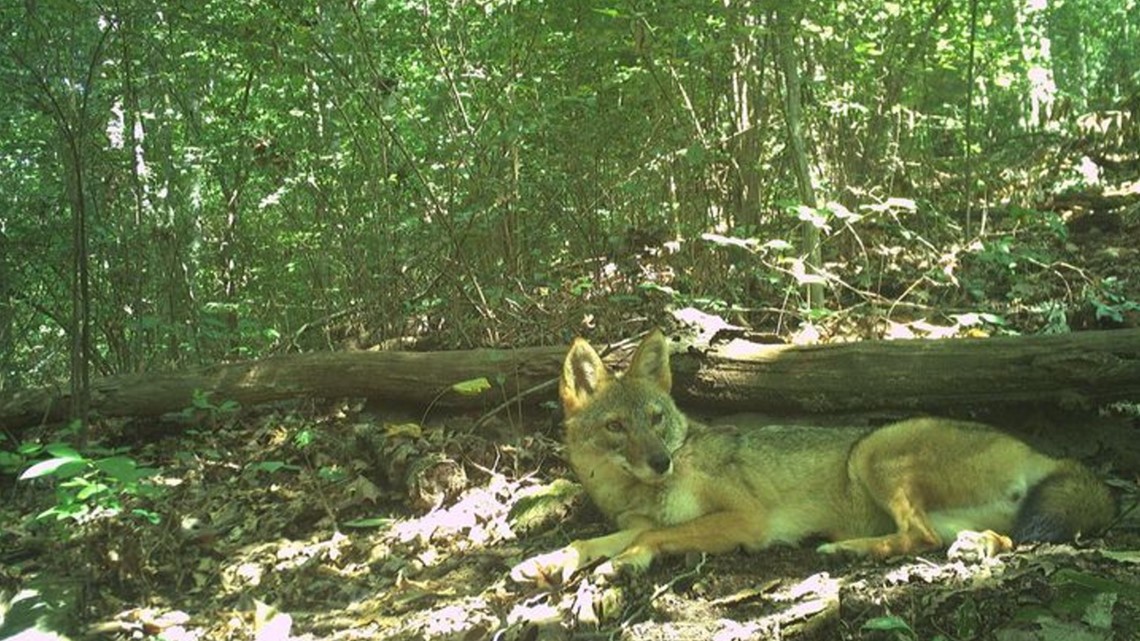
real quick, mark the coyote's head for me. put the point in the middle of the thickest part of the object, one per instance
(629, 420)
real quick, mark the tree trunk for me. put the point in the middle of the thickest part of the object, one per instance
(1069, 370)
(786, 28)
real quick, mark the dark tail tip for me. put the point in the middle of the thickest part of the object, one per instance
(1069, 502)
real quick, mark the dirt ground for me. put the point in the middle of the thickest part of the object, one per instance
(338, 524)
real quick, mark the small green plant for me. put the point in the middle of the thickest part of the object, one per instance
(89, 486)
(893, 625)
(896, 627)
(332, 474)
(246, 337)
(1110, 301)
(14, 460)
(582, 285)
(203, 410)
(304, 438)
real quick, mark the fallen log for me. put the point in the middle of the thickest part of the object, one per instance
(407, 378)
(1083, 369)
(1078, 370)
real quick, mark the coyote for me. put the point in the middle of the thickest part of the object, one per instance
(674, 486)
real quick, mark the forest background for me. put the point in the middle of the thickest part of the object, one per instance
(189, 182)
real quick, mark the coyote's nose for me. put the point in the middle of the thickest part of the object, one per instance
(660, 462)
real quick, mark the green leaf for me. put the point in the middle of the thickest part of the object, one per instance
(889, 624)
(154, 517)
(63, 450)
(304, 438)
(120, 468)
(332, 474)
(29, 449)
(10, 462)
(46, 467)
(472, 386)
(1122, 556)
(1094, 583)
(201, 400)
(657, 287)
(1099, 612)
(91, 489)
(273, 466)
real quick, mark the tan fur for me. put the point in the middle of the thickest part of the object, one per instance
(675, 486)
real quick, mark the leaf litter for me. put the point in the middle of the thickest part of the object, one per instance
(374, 530)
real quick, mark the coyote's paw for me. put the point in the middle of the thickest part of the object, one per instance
(631, 561)
(974, 547)
(546, 570)
(842, 550)
(831, 549)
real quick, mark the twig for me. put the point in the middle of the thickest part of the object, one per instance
(541, 387)
(661, 589)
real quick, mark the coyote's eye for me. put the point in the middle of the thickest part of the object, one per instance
(615, 426)
(656, 416)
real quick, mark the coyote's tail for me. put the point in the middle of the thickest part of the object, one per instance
(1070, 501)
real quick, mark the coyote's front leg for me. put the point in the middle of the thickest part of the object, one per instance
(635, 549)
(558, 566)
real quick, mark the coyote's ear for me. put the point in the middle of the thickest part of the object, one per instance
(583, 374)
(651, 361)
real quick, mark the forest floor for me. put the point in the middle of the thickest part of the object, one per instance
(313, 523)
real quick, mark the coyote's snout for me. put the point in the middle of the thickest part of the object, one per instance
(673, 486)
